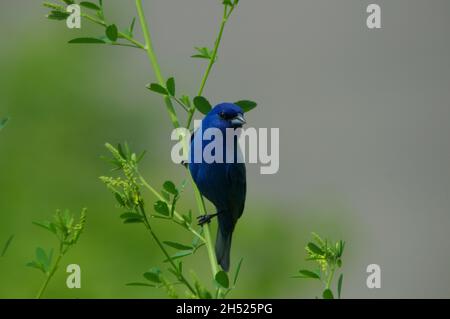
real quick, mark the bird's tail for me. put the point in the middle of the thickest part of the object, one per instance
(223, 247)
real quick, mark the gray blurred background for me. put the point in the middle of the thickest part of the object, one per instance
(364, 118)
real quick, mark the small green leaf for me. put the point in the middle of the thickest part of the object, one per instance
(341, 278)
(315, 249)
(202, 104)
(41, 256)
(131, 29)
(246, 105)
(58, 15)
(154, 275)
(90, 5)
(327, 294)
(238, 269)
(180, 254)
(161, 208)
(129, 215)
(3, 123)
(6, 246)
(203, 53)
(170, 84)
(222, 279)
(155, 87)
(46, 225)
(87, 41)
(170, 188)
(177, 245)
(308, 274)
(119, 199)
(112, 33)
(139, 284)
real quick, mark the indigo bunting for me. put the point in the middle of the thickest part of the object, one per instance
(222, 183)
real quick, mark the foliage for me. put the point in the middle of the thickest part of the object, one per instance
(328, 256)
(127, 188)
(67, 231)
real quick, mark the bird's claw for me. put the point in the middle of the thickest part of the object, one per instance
(204, 219)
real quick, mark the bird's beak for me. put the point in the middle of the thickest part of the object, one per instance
(238, 120)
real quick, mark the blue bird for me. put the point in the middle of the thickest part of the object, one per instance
(223, 184)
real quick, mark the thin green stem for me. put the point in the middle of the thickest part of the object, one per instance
(50, 275)
(226, 15)
(216, 49)
(209, 246)
(175, 122)
(175, 213)
(330, 277)
(163, 249)
(130, 39)
(154, 62)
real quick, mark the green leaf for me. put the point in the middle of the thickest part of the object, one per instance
(119, 199)
(203, 53)
(155, 87)
(238, 269)
(341, 278)
(139, 284)
(6, 246)
(170, 188)
(308, 274)
(112, 33)
(68, 2)
(154, 275)
(202, 104)
(246, 105)
(90, 5)
(129, 215)
(177, 245)
(227, 3)
(222, 279)
(87, 41)
(170, 84)
(41, 256)
(161, 208)
(133, 220)
(327, 294)
(58, 15)
(3, 123)
(131, 29)
(180, 254)
(36, 265)
(316, 250)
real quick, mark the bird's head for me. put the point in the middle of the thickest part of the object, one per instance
(225, 115)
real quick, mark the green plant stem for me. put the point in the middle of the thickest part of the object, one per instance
(175, 122)
(50, 275)
(163, 249)
(125, 36)
(175, 213)
(154, 62)
(330, 277)
(212, 60)
(209, 245)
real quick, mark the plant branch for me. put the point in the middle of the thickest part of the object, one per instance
(154, 62)
(212, 60)
(175, 122)
(50, 275)
(163, 249)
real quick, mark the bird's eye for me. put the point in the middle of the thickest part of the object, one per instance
(222, 115)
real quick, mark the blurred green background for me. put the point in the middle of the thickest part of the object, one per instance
(346, 170)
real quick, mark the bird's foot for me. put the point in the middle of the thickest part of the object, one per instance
(205, 219)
